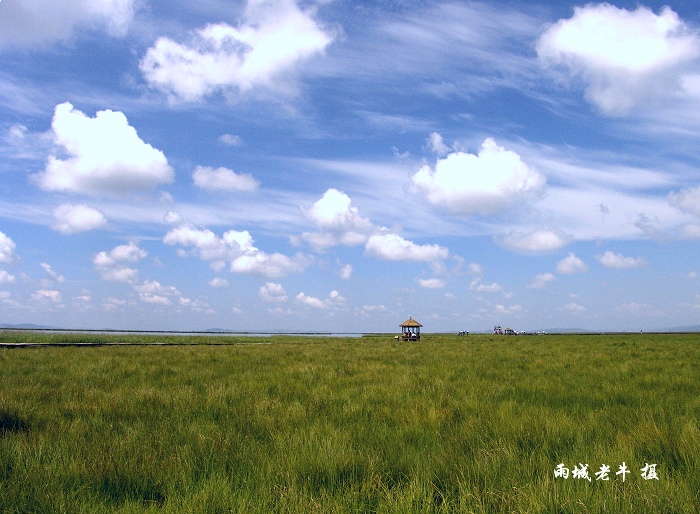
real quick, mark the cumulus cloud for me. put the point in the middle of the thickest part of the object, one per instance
(105, 153)
(5, 277)
(223, 179)
(236, 248)
(477, 286)
(7, 249)
(113, 267)
(393, 247)
(534, 242)
(687, 200)
(437, 145)
(230, 139)
(196, 305)
(486, 183)
(334, 300)
(625, 57)
(272, 39)
(50, 272)
(70, 219)
(573, 307)
(345, 272)
(152, 291)
(340, 222)
(512, 309)
(432, 283)
(272, 292)
(571, 264)
(39, 22)
(49, 295)
(155, 299)
(541, 280)
(218, 282)
(618, 261)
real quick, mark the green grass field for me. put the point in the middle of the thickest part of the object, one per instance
(450, 424)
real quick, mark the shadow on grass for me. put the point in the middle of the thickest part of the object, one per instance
(12, 422)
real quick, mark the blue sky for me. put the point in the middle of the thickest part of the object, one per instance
(339, 166)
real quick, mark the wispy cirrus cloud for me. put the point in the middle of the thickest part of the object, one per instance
(41, 22)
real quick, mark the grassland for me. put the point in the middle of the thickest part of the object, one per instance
(450, 424)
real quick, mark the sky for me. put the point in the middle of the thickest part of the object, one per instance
(339, 166)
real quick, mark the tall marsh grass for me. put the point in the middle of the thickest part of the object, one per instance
(450, 424)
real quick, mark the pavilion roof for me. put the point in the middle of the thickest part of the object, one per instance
(410, 322)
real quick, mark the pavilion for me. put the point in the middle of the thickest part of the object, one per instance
(410, 330)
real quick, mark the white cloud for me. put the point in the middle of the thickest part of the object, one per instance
(218, 282)
(339, 221)
(7, 249)
(46, 294)
(236, 248)
(5, 277)
(437, 145)
(207, 244)
(541, 280)
(619, 261)
(334, 300)
(70, 219)
(106, 155)
(513, 309)
(689, 231)
(534, 242)
(152, 291)
(223, 179)
(393, 247)
(571, 264)
(366, 309)
(573, 307)
(38, 22)
(687, 200)
(50, 272)
(155, 287)
(432, 283)
(476, 269)
(231, 140)
(196, 305)
(477, 286)
(346, 272)
(486, 183)
(111, 265)
(274, 265)
(172, 218)
(272, 292)
(626, 57)
(155, 299)
(274, 37)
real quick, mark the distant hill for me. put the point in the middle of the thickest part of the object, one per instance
(26, 326)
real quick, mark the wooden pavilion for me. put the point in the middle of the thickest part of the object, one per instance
(410, 330)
